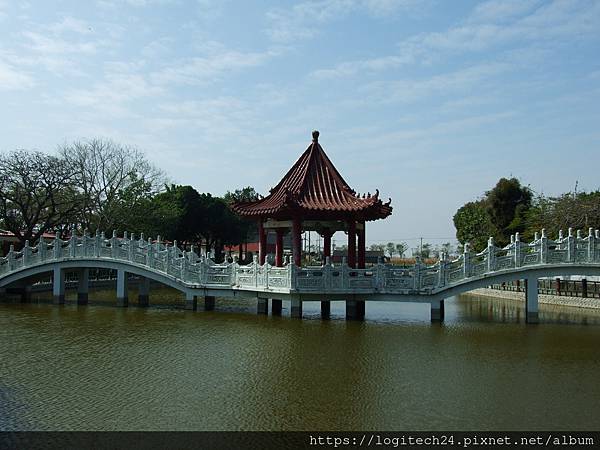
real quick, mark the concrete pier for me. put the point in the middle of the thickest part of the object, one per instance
(262, 306)
(58, 286)
(26, 294)
(122, 288)
(83, 286)
(144, 292)
(437, 311)
(296, 309)
(355, 310)
(276, 307)
(325, 309)
(191, 301)
(209, 303)
(531, 301)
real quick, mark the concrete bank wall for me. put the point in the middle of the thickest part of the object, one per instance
(578, 302)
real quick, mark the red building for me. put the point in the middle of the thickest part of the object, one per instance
(313, 196)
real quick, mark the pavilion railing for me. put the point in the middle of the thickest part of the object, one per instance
(190, 269)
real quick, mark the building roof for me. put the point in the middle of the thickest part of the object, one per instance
(314, 189)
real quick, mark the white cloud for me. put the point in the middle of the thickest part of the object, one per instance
(12, 79)
(411, 90)
(70, 24)
(303, 20)
(122, 83)
(558, 20)
(350, 68)
(204, 69)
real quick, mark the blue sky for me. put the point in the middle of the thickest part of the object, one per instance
(430, 101)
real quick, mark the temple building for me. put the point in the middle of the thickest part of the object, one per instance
(313, 196)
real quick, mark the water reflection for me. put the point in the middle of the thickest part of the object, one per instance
(104, 368)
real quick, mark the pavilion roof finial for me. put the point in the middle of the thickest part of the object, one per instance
(315, 135)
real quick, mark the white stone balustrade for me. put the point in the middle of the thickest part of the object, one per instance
(192, 270)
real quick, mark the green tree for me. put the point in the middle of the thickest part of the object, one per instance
(103, 170)
(390, 248)
(38, 193)
(401, 249)
(473, 224)
(507, 204)
(242, 229)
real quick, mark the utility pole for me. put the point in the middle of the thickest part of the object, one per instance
(421, 248)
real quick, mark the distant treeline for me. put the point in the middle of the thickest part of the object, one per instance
(511, 208)
(101, 185)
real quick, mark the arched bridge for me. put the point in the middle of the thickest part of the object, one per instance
(197, 275)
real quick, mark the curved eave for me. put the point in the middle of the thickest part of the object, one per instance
(365, 209)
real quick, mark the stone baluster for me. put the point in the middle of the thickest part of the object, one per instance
(544, 247)
(73, 244)
(11, 257)
(235, 266)
(591, 245)
(596, 241)
(255, 269)
(327, 273)
(149, 253)
(184, 266)
(42, 249)
(517, 250)
(561, 240)
(84, 241)
(417, 278)
(57, 246)
(97, 244)
(202, 273)
(266, 269)
(381, 273)
(167, 259)
(466, 261)
(26, 253)
(442, 269)
(114, 245)
(131, 244)
(571, 250)
(291, 267)
(491, 255)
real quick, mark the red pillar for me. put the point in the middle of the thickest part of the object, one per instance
(296, 241)
(326, 244)
(361, 246)
(262, 243)
(352, 244)
(279, 247)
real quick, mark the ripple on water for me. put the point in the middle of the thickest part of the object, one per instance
(100, 368)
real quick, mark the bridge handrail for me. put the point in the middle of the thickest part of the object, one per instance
(191, 269)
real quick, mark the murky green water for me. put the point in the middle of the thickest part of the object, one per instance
(103, 368)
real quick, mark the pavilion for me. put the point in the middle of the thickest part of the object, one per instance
(313, 196)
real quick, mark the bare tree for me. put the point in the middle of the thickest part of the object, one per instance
(104, 170)
(37, 194)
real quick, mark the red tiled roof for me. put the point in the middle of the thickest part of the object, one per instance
(314, 188)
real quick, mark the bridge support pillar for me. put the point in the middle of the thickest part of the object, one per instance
(83, 285)
(209, 303)
(276, 307)
(26, 294)
(355, 309)
(144, 292)
(122, 288)
(437, 311)
(531, 300)
(296, 309)
(262, 306)
(325, 309)
(191, 301)
(58, 286)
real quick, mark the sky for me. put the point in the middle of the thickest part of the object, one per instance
(429, 101)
